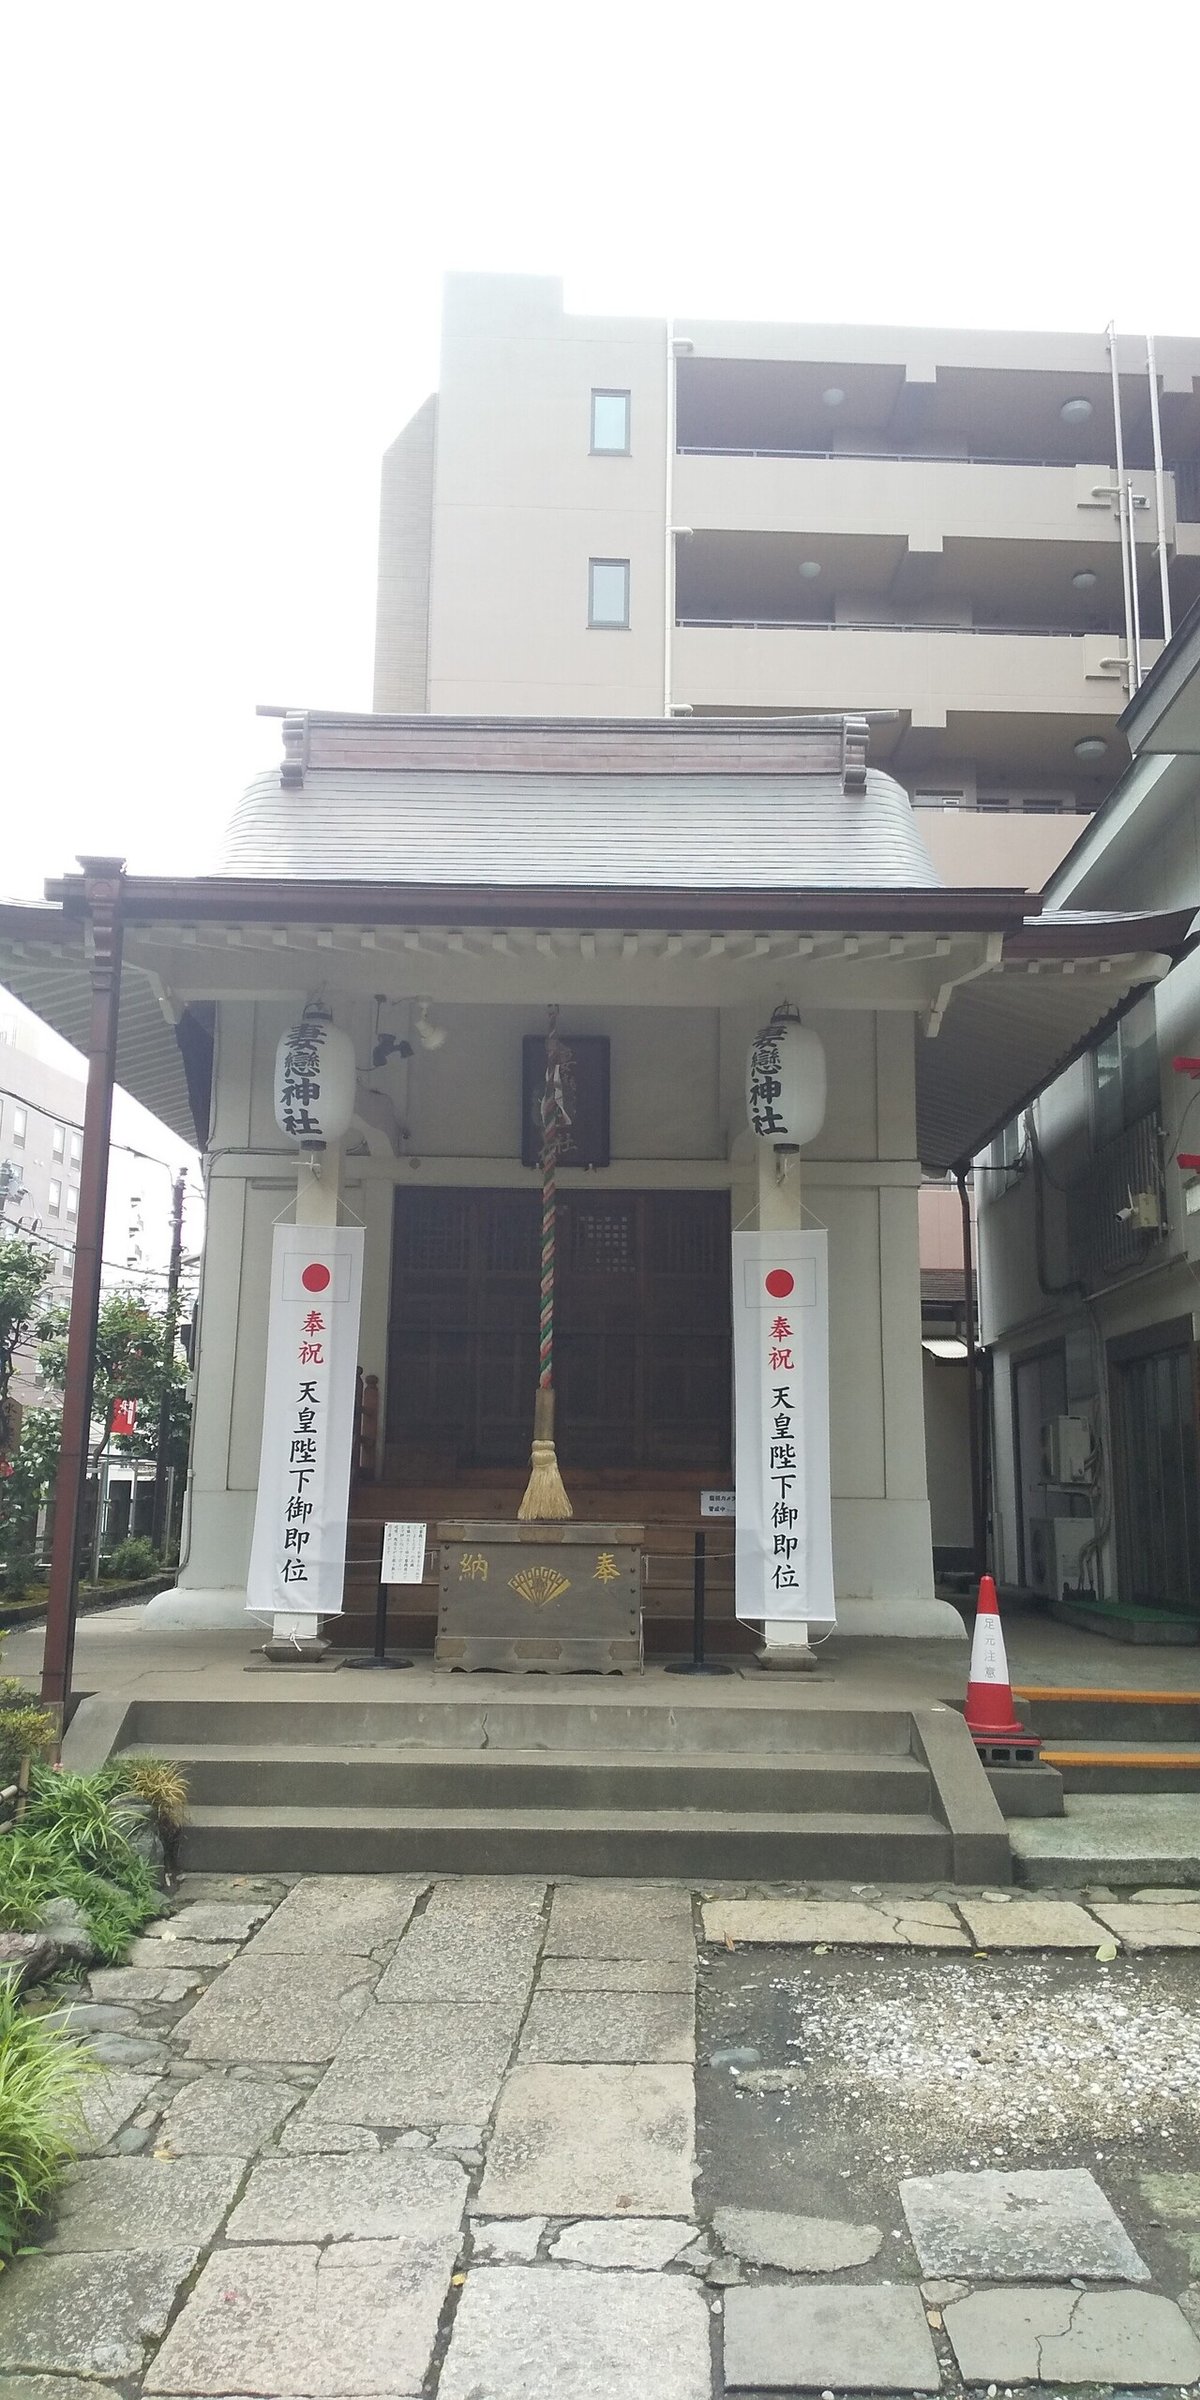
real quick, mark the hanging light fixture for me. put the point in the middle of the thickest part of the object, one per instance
(316, 1080)
(785, 1082)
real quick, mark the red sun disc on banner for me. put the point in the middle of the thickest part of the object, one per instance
(779, 1283)
(315, 1278)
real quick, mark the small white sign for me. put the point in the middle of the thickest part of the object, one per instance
(403, 1553)
(717, 1504)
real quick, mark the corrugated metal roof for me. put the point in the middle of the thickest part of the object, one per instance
(700, 832)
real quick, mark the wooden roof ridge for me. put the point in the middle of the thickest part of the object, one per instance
(809, 745)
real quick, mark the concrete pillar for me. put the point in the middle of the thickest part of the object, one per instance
(318, 1190)
(785, 1639)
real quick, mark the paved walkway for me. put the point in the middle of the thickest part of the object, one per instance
(392, 2137)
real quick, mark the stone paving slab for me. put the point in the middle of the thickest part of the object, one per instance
(92, 2314)
(417, 2066)
(617, 1975)
(447, 1962)
(352, 1914)
(592, 2141)
(538, 2333)
(54, 2387)
(271, 2011)
(1031, 1925)
(840, 2337)
(218, 1920)
(856, 1923)
(109, 2102)
(339, 2324)
(645, 2243)
(161, 1950)
(1046, 2224)
(1062, 2336)
(1167, 1926)
(143, 2203)
(574, 2028)
(799, 2245)
(411, 2193)
(226, 2115)
(508, 2238)
(134, 1986)
(603, 1920)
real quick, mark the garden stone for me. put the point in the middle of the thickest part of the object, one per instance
(397, 2194)
(29, 1957)
(131, 2139)
(107, 2103)
(160, 1949)
(137, 1985)
(136, 1820)
(136, 2203)
(130, 2050)
(1062, 2336)
(80, 2016)
(799, 2245)
(68, 1928)
(523, 2333)
(361, 2317)
(89, 2315)
(225, 2116)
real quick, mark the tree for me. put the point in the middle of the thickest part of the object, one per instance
(23, 1272)
(29, 1480)
(135, 1360)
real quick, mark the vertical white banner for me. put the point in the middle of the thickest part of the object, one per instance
(298, 1555)
(784, 1542)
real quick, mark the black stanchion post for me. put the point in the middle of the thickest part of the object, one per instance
(698, 1664)
(378, 1657)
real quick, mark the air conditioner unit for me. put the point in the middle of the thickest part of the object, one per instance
(1056, 1547)
(1067, 1448)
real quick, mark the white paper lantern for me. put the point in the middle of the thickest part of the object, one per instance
(315, 1081)
(785, 1083)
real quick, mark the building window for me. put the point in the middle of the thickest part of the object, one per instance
(1125, 1073)
(610, 423)
(72, 1201)
(938, 800)
(55, 1201)
(60, 1141)
(608, 593)
(75, 1152)
(20, 1127)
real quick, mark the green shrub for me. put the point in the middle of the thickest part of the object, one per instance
(69, 1847)
(159, 1783)
(20, 1572)
(132, 1559)
(25, 1732)
(42, 2073)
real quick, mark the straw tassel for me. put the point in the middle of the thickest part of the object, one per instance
(545, 1500)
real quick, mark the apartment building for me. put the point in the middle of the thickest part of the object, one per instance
(623, 517)
(41, 1152)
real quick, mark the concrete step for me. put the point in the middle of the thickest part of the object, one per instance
(1130, 1766)
(822, 1845)
(391, 1775)
(472, 1713)
(1071, 1715)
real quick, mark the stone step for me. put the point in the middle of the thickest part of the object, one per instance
(470, 1713)
(822, 1845)
(390, 1774)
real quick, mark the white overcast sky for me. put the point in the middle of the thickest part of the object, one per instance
(226, 228)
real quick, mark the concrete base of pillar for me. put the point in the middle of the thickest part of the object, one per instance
(184, 1610)
(292, 1651)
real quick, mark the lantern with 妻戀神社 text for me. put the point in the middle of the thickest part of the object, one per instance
(785, 1082)
(315, 1080)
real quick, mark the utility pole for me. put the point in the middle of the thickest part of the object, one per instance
(159, 1526)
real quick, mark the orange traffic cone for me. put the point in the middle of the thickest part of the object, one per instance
(989, 1712)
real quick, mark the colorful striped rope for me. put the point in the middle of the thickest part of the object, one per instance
(556, 1134)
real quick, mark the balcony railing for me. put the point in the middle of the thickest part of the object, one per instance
(1057, 633)
(1106, 1210)
(914, 458)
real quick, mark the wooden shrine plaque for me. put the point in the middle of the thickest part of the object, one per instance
(540, 1599)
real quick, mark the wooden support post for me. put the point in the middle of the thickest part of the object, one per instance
(102, 933)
